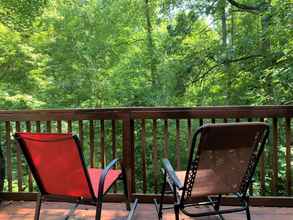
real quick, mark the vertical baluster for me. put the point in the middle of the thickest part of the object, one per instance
(155, 156)
(143, 155)
(166, 138)
(288, 155)
(92, 144)
(133, 155)
(200, 122)
(178, 153)
(189, 131)
(80, 130)
(69, 126)
(30, 177)
(18, 160)
(251, 182)
(49, 127)
(225, 120)
(8, 154)
(262, 170)
(114, 148)
(59, 126)
(213, 121)
(237, 119)
(2, 157)
(38, 126)
(102, 143)
(275, 157)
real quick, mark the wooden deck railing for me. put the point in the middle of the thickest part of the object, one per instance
(142, 136)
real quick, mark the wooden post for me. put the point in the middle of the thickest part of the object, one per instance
(128, 152)
(2, 162)
(288, 156)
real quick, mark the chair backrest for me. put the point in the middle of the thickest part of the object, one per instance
(226, 158)
(56, 163)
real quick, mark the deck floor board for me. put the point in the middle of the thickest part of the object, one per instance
(114, 211)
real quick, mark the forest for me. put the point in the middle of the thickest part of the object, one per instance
(57, 54)
(97, 53)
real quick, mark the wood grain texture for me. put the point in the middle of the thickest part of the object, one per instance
(128, 153)
(92, 142)
(69, 126)
(116, 211)
(59, 126)
(47, 119)
(189, 134)
(38, 126)
(143, 156)
(288, 156)
(177, 146)
(113, 140)
(155, 156)
(49, 126)
(80, 132)
(30, 177)
(8, 154)
(148, 112)
(262, 171)
(18, 161)
(275, 156)
(102, 143)
(166, 138)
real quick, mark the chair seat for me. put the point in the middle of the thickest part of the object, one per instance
(95, 175)
(205, 182)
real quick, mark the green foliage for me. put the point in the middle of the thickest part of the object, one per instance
(20, 14)
(96, 53)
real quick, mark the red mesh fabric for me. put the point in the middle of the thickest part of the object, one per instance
(58, 163)
(95, 174)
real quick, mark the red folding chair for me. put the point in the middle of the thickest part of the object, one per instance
(57, 164)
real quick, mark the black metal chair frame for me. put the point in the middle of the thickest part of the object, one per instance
(98, 202)
(175, 185)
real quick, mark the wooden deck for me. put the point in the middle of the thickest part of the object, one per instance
(114, 211)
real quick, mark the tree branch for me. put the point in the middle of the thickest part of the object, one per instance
(253, 8)
(242, 58)
(128, 42)
(202, 76)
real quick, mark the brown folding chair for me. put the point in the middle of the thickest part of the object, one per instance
(223, 163)
(57, 164)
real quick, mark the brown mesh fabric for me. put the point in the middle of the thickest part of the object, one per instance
(224, 152)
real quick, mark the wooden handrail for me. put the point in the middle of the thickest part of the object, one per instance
(138, 112)
(131, 125)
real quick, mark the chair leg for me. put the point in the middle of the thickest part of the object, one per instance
(38, 207)
(176, 206)
(176, 210)
(71, 211)
(246, 202)
(217, 206)
(160, 213)
(127, 201)
(99, 209)
(248, 213)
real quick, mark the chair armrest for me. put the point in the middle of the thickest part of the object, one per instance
(104, 174)
(171, 173)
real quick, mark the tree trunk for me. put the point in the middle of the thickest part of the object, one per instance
(150, 46)
(227, 72)
(266, 51)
